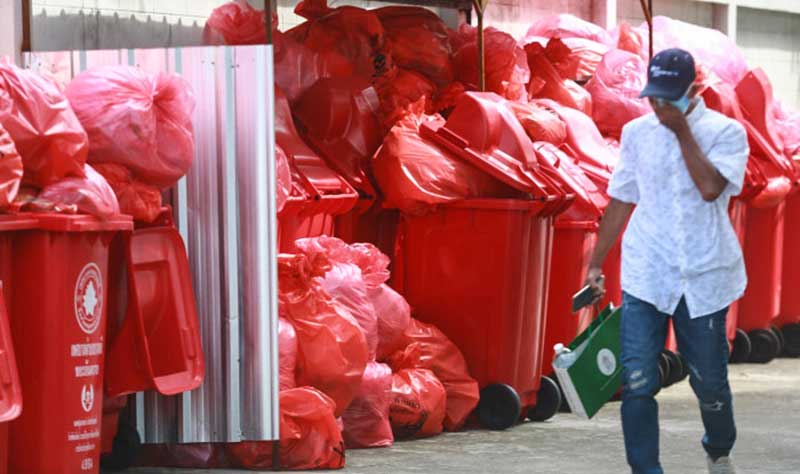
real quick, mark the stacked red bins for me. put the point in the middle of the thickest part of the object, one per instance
(478, 269)
(764, 221)
(10, 389)
(574, 241)
(318, 194)
(788, 319)
(58, 319)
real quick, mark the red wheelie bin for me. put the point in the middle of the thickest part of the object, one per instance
(478, 269)
(58, 318)
(573, 242)
(318, 193)
(788, 319)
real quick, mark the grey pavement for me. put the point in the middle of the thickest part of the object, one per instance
(767, 404)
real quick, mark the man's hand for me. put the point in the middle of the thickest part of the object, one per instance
(596, 280)
(670, 116)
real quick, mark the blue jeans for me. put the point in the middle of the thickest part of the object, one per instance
(704, 345)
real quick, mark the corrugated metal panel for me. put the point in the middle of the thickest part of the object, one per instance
(225, 209)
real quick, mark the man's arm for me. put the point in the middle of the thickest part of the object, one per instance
(614, 219)
(705, 176)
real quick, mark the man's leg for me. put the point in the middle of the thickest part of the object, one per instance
(703, 343)
(643, 333)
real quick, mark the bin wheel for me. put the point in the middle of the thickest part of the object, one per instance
(742, 347)
(686, 371)
(775, 329)
(499, 407)
(765, 346)
(664, 369)
(791, 337)
(548, 401)
(125, 449)
(662, 376)
(677, 371)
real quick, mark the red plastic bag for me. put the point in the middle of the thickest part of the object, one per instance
(287, 354)
(568, 26)
(418, 404)
(283, 179)
(355, 34)
(45, 131)
(373, 263)
(366, 420)
(573, 58)
(419, 41)
(709, 47)
(632, 40)
(414, 174)
(90, 195)
(507, 69)
(394, 316)
(139, 200)
(445, 99)
(345, 284)
(540, 123)
(139, 121)
(615, 90)
(347, 131)
(788, 123)
(547, 83)
(430, 349)
(398, 93)
(332, 351)
(10, 170)
(310, 436)
(236, 23)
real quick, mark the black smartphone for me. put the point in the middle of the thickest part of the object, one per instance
(583, 298)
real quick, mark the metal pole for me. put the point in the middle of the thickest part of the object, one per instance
(480, 5)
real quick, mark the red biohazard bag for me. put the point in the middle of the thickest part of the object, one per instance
(366, 420)
(547, 83)
(45, 131)
(788, 124)
(398, 93)
(430, 349)
(632, 40)
(615, 90)
(136, 120)
(540, 123)
(332, 350)
(10, 169)
(283, 179)
(90, 195)
(139, 200)
(444, 100)
(568, 26)
(507, 69)
(419, 41)
(574, 58)
(287, 354)
(414, 174)
(394, 316)
(237, 23)
(355, 34)
(310, 436)
(373, 263)
(418, 404)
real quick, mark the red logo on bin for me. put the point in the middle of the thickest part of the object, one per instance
(89, 298)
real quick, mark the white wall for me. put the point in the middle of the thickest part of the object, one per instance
(771, 40)
(684, 10)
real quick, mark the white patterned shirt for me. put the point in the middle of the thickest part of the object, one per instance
(677, 244)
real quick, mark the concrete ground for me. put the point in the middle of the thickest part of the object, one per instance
(767, 404)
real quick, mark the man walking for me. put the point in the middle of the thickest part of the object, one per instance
(681, 259)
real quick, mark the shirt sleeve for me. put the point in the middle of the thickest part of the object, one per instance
(623, 186)
(729, 156)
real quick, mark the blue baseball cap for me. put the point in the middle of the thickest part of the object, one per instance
(669, 75)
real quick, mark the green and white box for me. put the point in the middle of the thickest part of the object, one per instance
(595, 374)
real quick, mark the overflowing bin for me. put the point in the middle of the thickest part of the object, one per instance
(318, 193)
(479, 268)
(10, 389)
(58, 316)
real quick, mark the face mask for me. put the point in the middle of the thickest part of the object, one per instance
(681, 104)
